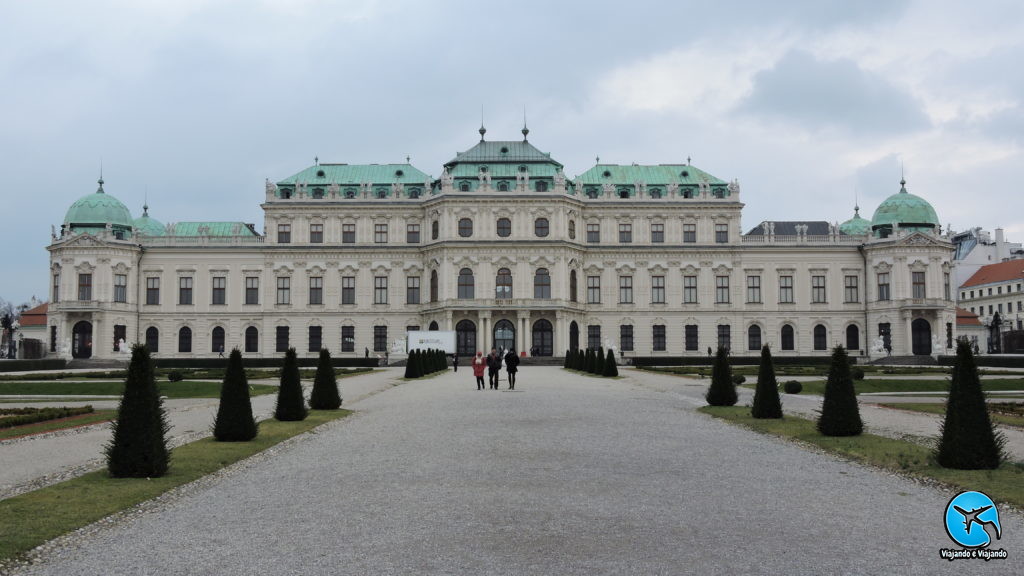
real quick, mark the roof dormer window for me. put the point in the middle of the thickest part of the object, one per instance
(606, 174)
(522, 168)
(503, 186)
(319, 173)
(399, 173)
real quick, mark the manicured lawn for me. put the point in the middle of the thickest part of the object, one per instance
(887, 385)
(51, 425)
(28, 520)
(183, 389)
(1009, 417)
(1003, 484)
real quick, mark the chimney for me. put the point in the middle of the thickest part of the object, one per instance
(1000, 246)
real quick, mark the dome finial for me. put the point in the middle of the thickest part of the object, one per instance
(482, 130)
(100, 181)
(903, 180)
(526, 130)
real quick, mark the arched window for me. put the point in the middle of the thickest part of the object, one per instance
(185, 339)
(350, 193)
(464, 186)
(623, 193)
(572, 229)
(414, 193)
(435, 229)
(433, 285)
(382, 193)
(465, 338)
(592, 192)
(503, 284)
(572, 285)
(504, 227)
(542, 284)
(787, 337)
(687, 192)
(503, 186)
(217, 340)
(543, 339)
(465, 227)
(252, 339)
(542, 186)
(540, 227)
(655, 192)
(719, 193)
(153, 339)
(466, 284)
(754, 337)
(318, 193)
(433, 327)
(852, 337)
(820, 338)
(574, 336)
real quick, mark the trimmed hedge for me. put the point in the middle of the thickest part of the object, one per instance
(733, 360)
(25, 365)
(992, 361)
(23, 416)
(262, 362)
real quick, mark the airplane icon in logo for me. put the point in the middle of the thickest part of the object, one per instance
(971, 517)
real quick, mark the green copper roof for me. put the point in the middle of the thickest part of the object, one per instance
(147, 225)
(502, 151)
(211, 229)
(650, 174)
(856, 226)
(98, 209)
(354, 174)
(502, 170)
(904, 210)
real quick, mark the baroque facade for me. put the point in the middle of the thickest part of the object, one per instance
(507, 251)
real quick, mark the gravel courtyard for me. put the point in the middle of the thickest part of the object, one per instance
(566, 475)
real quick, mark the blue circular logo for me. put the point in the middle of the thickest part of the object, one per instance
(972, 520)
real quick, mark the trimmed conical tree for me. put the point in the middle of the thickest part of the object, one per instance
(599, 361)
(234, 421)
(325, 385)
(589, 366)
(766, 395)
(968, 441)
(840, 415)
(291, 406)
(421, 363)
(610, 369)
(138, 446)
(567, 360)
(410, 365)
(722, 391)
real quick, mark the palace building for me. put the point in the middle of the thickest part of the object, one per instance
(507, 251)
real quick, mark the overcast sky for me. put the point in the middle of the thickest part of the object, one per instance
(195, 103)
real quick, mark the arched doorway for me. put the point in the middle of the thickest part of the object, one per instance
(504, 335)
(433, 327)
(81, 340)
(852, 337)
(465, 338)
(543, 338)
(574, 336)
(921, 336)
(153, 339)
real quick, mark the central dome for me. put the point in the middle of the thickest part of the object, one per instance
(903, 211)
(97, 210)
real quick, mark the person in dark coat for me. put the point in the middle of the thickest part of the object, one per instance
(512, 365)
(455, 363)
(493, 368)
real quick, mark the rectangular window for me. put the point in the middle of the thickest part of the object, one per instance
(721, 233)
(689, 289)
(689, 233)
(657, 289)
(593, 336)
(380, 338)
(284, 290)
(348, 290)
(348, 233)
(412, 290)
(316, 234)
(657, 233)
(284, 233)
(281, 339)
(851, 289)
(785, 289)
(883, 286)
(724, 336)
(185, 290)
(690, 334)
(625, 233)
(120, 287)
(626, 337)
(220, 290)
(593, 233)
(818, 289)
(380, 233)
(85, 286)
(412, 233)
(721, 289)
(53, 338)
(252, 290)
(754, 289)
(625, 289)
(316, 339)
(316, 290)
(152, 291)
(917, 279)
(56, 287)
(593, 289)
(348, 338)
(659, 337)
(946, 289)
(380, 290)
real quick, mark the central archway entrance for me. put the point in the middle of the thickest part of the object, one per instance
(574, 336)
(543, 338)
(921, 336)
(465, 338)
(81, 340)
(504, 335)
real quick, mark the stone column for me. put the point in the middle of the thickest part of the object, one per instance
(483, 338)
(561, 338)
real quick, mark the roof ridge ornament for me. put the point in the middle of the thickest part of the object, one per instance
(526, 131)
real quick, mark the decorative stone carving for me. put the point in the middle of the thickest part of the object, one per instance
(672, 189)
(271, 188)
(446, 178)
(559, 180)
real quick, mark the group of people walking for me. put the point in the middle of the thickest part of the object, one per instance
(493, 363)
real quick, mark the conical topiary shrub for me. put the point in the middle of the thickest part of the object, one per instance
(325, 385)
(577, 359)
(567, 360)
(291, 406)
(840, 415)
(968, 440)
(138, 446)
(234, 421)
(722, 391)
(610, 369)
(599, 361)
(422, 368)
(589, 366)
(410, 365)
(766, 395)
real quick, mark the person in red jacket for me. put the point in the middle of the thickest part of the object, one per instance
(478, 369)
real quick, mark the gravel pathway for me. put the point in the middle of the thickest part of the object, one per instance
(566, 475)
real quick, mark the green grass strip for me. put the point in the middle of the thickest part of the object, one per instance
(940, 387)
(183, 389)
(51, 425)
(940, 408)
(31, 519)
(1004, 484)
